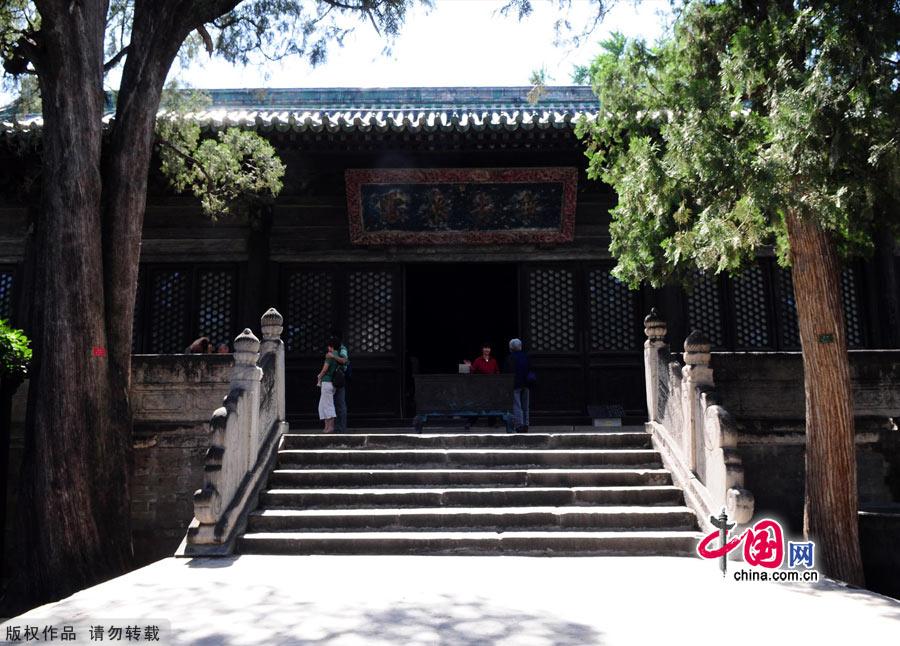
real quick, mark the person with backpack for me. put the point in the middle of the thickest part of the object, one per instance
(339, 354)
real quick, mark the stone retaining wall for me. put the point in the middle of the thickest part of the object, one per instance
(173, 398)
(764, 393)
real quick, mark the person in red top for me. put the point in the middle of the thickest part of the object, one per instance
(484, 365)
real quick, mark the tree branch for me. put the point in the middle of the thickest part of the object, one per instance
(344, 5)
(111, 63)
(207, 39)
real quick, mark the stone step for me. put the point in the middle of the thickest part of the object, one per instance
(471, 497)
(468, 477)
(458, 426)
(471, 457)
(473, 518)
(645, 543)
(634, 440)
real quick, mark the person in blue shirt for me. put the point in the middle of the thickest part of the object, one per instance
(520, 366)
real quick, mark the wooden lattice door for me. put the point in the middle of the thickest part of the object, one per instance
(363, 303)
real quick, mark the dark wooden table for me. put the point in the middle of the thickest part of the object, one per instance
(463, 396)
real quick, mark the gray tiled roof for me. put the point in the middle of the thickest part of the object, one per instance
(411, 110)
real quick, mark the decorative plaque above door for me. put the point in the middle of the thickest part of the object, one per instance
(432, 206)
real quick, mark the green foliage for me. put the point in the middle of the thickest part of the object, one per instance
(14, 352)
(18, 22)
(28, 102)
(740, 116)
(228, 173)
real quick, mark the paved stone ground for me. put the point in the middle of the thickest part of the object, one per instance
(462, 600)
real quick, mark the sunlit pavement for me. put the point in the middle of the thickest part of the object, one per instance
(449, 600)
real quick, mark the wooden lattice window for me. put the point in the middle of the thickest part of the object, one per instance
(216, 304)
(551, 298)
(750, 312)
(168, 311)
(310, 306)
(788, 328)
(6, 295)
(852, 314)
(175, 305)
(705, 309)
(370, 314)
(612, 307)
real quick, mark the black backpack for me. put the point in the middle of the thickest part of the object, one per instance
(339, 377)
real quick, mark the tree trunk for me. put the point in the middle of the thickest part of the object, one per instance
(158, 30)
(830, 514)
(154, 45)
(72, 467)
(8, 388)
(78, 447)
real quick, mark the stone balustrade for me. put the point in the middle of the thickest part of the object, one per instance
(244, 436)
(696, 436)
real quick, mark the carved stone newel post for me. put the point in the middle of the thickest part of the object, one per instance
(246, 377)
(696, 375)
(655, 330)
(272, 324)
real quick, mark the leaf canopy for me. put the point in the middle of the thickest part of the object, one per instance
(745, 112)
(15, 353)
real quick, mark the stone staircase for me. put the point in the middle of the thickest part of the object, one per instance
(470, 493)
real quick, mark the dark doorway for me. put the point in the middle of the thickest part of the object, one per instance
(451, 309)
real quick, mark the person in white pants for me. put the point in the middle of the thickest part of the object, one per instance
(326, 397)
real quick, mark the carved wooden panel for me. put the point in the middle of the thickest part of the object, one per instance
(216, 305)
(310, 310)
(852, 309)
(612, 306)
(788, 329)
(168, 310)
(750, 311)
(174, 305)
(370, 311)
(551, 310)
(6, 295)
(705, 309)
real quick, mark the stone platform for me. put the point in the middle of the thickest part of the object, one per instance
(465, 600)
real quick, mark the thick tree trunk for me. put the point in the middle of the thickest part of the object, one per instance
(153, 47)
(8, 388)
(73, 470)
(830, 515)
(77, 464)
(158, 31)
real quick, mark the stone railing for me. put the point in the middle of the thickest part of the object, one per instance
(244, 437)
(696, 437)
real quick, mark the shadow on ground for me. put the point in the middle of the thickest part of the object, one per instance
(458, 623)
(277, 613)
